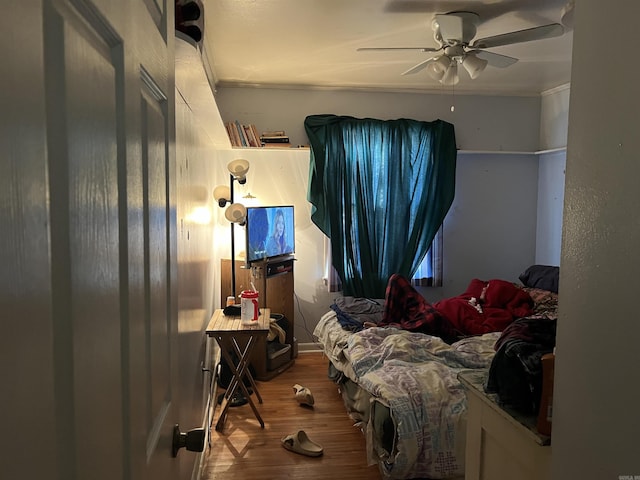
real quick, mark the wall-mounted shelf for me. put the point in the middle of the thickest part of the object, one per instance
(271, 148)
(505, 152)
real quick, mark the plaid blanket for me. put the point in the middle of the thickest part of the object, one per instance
(405, 308)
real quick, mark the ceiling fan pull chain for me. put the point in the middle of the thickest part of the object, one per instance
(453, 98)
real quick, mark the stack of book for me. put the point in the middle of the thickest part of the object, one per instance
(275, 138)
(242, 135)
(247, 136)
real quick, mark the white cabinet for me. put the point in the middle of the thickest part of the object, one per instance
(501, 445)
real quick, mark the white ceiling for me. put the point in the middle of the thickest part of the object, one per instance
(312, 44)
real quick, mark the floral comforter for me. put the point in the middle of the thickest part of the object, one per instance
(415, 376)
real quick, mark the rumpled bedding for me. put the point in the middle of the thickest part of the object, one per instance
(415, 376)
(335, 342)
(352, 312)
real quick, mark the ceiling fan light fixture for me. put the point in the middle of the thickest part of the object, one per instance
(450, 77)
(438, 68)
(474, 65)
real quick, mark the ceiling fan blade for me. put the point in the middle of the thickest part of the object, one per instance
(422, 49)
(494, 59)
(520, 36)
(420, 66)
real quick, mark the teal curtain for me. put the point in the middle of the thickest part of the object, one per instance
(379, 189)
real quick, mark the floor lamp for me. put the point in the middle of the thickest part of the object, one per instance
(235, 212)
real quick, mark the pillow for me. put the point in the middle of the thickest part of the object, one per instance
(544, 301)
(544, 277)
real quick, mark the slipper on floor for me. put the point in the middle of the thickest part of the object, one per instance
(303, 395)
(237, 400)
(300, 443)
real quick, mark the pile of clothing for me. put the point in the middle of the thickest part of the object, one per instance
(515, 374)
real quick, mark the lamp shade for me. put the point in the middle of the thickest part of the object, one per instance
(222, 194)
(450, 77)
(474, 65)
(238, 167)
(438, 67)
(236, 213)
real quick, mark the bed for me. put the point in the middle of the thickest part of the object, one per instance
(401, 387)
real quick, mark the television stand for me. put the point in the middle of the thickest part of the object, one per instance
(274, 281)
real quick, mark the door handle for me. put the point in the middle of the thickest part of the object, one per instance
(193, 440)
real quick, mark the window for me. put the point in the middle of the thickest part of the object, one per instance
(428, 274)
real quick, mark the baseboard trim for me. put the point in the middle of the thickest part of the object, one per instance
(309, 347)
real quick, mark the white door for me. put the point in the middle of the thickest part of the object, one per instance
(88, 239)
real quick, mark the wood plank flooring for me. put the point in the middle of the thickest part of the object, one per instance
(243, 450)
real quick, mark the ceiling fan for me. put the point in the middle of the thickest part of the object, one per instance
(454, 32)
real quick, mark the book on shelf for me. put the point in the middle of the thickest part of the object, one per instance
(252, 141)
(254, 131)
(244, 142)
(274, 139)
(242, 135)
(273, 133)
(233, 134)
(274, 136)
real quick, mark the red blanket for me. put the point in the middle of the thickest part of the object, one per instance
(484, 307)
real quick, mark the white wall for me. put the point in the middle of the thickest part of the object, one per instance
(551, 178)
(554, 118)
(596, 389)
(482, 122)
(195, 266)
(554, 121)
(196, 153)
(490, 231)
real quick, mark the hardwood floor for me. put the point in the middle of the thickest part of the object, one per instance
(243, 450)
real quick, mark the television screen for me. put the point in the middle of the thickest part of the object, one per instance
(270, 232)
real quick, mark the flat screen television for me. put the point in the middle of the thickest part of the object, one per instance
(270, 232)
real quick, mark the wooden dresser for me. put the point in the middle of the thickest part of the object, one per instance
(274, 282)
